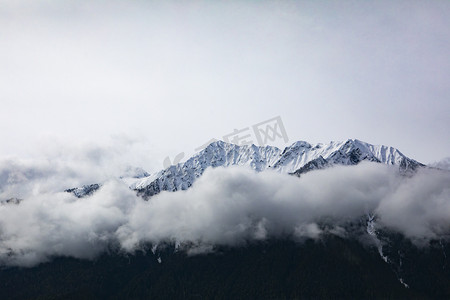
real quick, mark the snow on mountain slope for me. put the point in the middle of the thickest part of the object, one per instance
(298, 158)
(84, 191)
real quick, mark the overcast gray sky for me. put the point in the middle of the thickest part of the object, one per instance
(175, 75)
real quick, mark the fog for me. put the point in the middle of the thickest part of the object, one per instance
(91, 88)
(58, 165)
(179, 73)
(226, 206)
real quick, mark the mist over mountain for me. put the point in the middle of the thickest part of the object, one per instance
(229, 197)
(443, 164)
(224, 149)
(296, 159)
(224, 195)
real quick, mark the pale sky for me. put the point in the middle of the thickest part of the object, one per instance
(175, 75)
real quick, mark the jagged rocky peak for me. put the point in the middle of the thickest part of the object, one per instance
(220, 153)
(298, 158)
(85, 190)
(300, 144)
(315, 164)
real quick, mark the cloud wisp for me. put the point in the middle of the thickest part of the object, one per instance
(226, 206)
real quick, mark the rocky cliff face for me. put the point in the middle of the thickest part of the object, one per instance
(296, 159)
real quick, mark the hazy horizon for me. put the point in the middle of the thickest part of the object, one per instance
(156, 79)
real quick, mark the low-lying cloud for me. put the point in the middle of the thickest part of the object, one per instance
(226, 206)
(58, 165)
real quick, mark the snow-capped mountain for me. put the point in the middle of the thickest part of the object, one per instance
(296, 159)
(85, 190)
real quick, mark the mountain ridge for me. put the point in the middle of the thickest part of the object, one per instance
(296, 159)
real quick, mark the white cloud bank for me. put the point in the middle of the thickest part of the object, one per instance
(229, 206)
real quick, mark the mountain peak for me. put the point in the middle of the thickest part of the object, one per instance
(300, 144)
(301, 156)
(218, 143)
